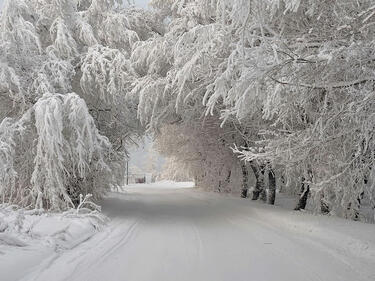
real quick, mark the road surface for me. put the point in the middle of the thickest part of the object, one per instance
(158, 234)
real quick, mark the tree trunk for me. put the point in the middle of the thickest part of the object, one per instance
(228, 177)
(282, 183)
(271, 187)
(245, 180)
(305, 190)
(223, 185)
(263, 193)
(259, 185)
(324, 207)
(303, 199)
(355, 206)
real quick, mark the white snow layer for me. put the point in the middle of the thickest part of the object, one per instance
(29, 237)
(160, 233)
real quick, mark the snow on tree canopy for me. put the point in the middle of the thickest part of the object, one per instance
(62, 66)
(292, 82)
(243, 96)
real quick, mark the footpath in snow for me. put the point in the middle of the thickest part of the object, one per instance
(167, 231)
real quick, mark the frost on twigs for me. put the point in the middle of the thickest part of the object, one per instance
(85, 204)
(69, 145)
(105, 72)
(88, 209)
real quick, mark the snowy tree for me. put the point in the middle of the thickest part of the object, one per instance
(178, 69)
(280, 89)
(297, 75)
(198, 149)
(305, 65)
(173, 170)
(66, 110)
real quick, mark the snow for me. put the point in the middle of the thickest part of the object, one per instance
(28, 237)
(168, 231)
(159, 185)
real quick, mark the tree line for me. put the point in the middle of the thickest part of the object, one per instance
(241, 95)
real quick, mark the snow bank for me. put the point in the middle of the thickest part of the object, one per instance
(19, 227)
(31, 236)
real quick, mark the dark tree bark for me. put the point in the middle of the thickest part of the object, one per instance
(271, 187)
(305, 190)
(259, 190)
(303, 199)
(228, 176)
(355, 206)
(244, 193)
(282, 183)
(324, 207)
(245, 180)
(353, 210)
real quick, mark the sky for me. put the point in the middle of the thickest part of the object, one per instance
(140, 3)
(140, 157)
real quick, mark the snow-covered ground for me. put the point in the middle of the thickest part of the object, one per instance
(159, 185)
(27, 238)
(165, 232)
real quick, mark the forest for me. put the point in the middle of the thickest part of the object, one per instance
(249, 97)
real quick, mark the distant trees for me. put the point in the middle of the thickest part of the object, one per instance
(199, 149)
(152, 163)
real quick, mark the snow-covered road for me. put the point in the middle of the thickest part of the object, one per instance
(183, 234)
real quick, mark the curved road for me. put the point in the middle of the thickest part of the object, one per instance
(184, 234)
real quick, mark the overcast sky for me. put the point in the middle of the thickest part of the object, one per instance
(141, 3)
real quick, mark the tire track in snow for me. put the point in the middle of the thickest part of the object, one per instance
(84, 253)
(199, 242)
(120, 240)
(125, 238)
(190, 235)
(46, 264)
